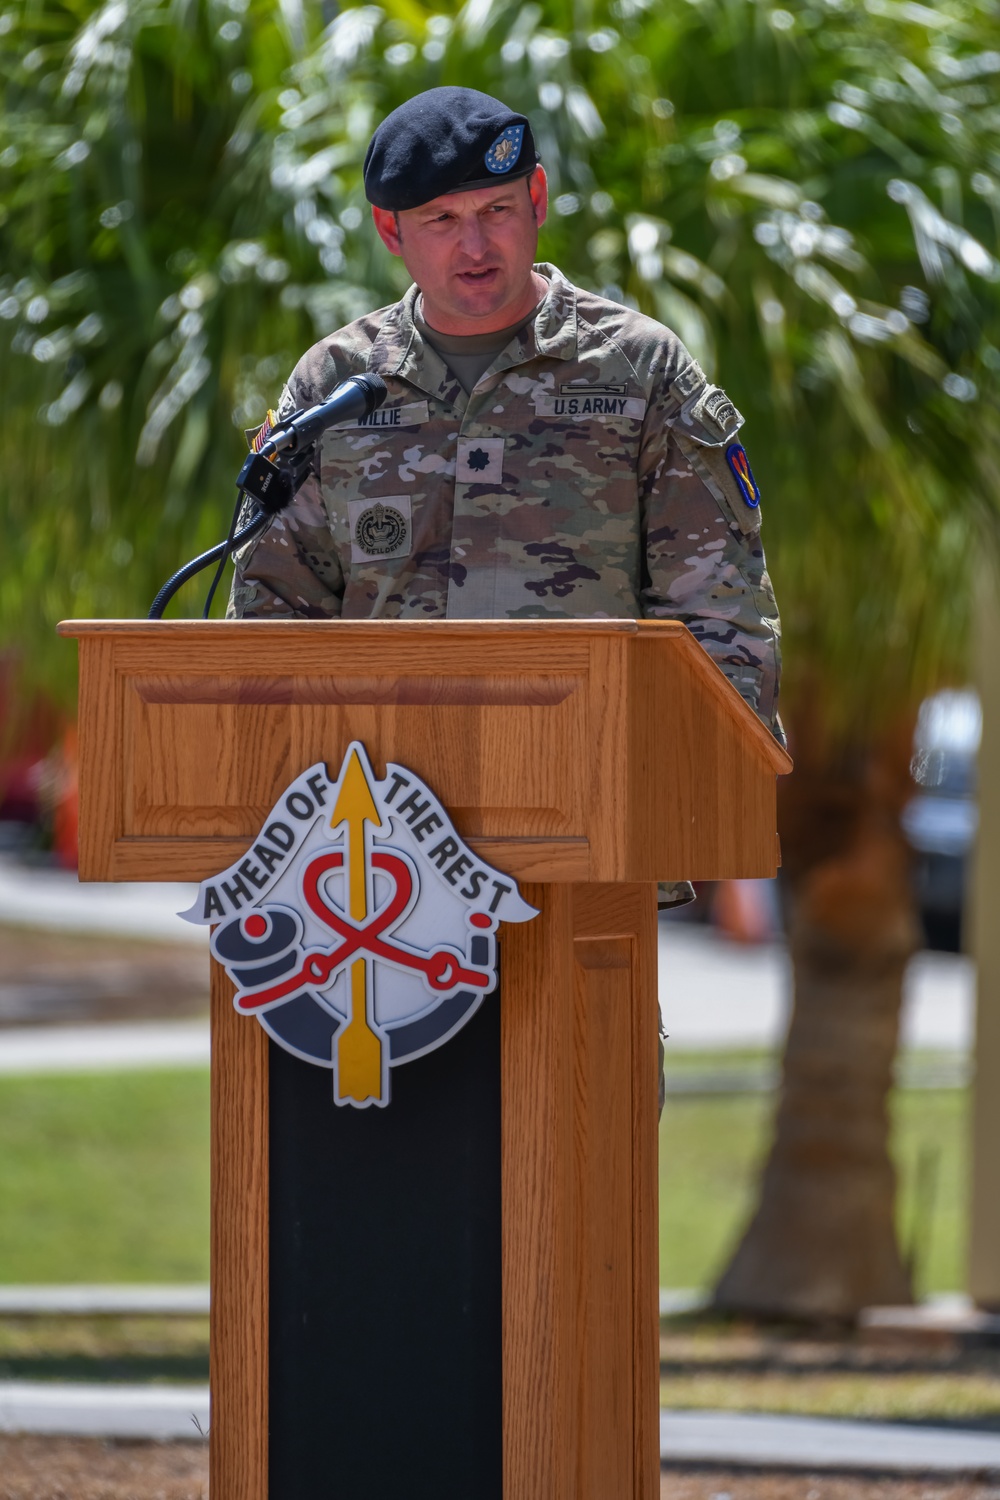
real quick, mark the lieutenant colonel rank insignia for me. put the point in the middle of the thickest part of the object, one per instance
(505, 150)
(359, 928)
(736, 457)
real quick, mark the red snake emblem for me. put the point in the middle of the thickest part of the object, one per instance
(442, 970)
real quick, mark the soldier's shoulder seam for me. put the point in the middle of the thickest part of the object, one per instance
(340, 354)
(605, 338)
(636, 337)
(630, 320)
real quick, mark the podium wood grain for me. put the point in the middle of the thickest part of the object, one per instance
(580, 1319)
(586, 758)
(238, 1359)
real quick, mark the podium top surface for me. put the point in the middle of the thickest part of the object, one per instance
(582, 750)
(283, 627)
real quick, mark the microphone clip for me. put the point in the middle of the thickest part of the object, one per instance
(271, 484)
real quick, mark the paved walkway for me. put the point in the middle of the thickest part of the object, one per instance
(104, 1048)
(823, 1443)
(720, 994)
(36, 896)
(165, 1412)
(145, 1300)
(160, 1412)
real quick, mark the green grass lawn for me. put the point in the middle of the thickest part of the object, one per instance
(712, 1147)
(905, 1396)
(105, 1178)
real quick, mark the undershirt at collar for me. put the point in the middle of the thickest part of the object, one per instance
(468, 356)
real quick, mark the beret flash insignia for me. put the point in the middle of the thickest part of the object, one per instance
(505, 149)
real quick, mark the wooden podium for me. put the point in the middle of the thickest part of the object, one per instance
(459, 1291)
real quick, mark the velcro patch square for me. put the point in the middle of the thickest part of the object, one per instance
(480, 460)
(689, 380)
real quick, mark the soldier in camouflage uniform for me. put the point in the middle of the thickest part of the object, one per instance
(588, 470)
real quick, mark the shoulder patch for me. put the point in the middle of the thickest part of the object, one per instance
(721, 475)
(713, 409)
(707, 416)
(736, 458)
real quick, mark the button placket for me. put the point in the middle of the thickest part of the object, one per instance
(479, 462)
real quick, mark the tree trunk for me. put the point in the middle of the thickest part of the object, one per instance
(822, 1241)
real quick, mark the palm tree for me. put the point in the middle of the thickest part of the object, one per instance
(807, 194)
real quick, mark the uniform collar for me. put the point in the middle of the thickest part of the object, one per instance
(555, 327)
(399, 349)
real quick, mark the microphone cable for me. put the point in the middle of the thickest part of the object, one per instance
(217, 553)
(230, 547)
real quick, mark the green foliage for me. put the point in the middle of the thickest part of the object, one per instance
(712, 1149)
(809, 195)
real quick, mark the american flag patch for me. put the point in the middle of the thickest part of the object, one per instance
(259, 438)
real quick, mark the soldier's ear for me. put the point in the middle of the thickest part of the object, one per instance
(538, 189)
(387, 225)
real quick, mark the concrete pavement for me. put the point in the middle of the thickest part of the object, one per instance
(104, 1047)
(159, 1412)
(718, 994)
(764, 1441)
(141, 1300)
(165, 1412)
(40, 896)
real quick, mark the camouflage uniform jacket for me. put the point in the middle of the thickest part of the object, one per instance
(586, 475)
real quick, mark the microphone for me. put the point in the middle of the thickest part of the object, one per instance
(272, 480)
(353, 399)
(275, 467)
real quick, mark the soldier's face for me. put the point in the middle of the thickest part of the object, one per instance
(471, 253)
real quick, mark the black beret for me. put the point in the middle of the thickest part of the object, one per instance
(446, 140)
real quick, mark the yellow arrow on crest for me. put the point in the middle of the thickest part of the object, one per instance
(359, 1047)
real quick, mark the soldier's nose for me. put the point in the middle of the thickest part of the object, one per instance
(473, 241)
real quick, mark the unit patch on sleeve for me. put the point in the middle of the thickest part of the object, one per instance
(380, 528)
(736, 457)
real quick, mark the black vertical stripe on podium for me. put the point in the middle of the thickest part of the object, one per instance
(385, 1286)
